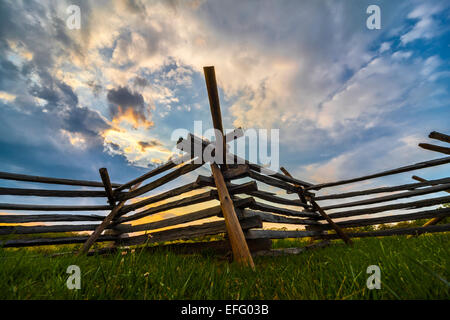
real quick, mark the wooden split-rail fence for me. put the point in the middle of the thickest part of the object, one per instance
(244, 212)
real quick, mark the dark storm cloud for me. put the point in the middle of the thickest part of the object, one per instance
(124, 103)
(84, 120)
(71, 97)
(45, 93)
(125, 98)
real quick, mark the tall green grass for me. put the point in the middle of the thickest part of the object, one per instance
(416, 268)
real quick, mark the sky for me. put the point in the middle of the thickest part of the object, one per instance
(348, 100)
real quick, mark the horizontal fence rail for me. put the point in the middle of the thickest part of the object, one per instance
(420, 165)
(70, 182)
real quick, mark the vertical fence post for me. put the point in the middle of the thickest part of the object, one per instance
(108, 187)
(241, 252)
(214, 105)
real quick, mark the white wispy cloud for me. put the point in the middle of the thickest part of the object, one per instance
(426, 27)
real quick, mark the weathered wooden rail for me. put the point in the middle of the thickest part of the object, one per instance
(245, 212)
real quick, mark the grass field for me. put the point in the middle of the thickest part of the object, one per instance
(416, 268)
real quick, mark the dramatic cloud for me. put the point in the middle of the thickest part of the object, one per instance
(426, 27)
(136, 145)
(128, 106)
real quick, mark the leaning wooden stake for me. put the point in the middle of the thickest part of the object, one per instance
(214, 104)
(300, 193)
(338, 229)
(239, 246)
(303, 199)
(102, 226)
